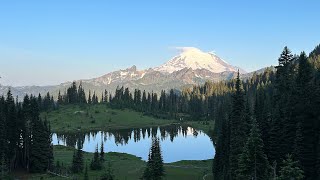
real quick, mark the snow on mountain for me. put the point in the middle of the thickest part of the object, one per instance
(199, 65)
(194, 58)
(206, 66)
(128, 74)
(191, 66)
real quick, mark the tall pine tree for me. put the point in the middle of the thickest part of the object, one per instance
(238, 127)
(253, 162)
(304, 115)
(154, 169)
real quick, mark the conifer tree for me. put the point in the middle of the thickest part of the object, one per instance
(3, 159)
(48, 136)
(102, 152)
(147, 174)
(298, 142)
(284, 86)
(77, 161)
(149, 102)
(102, 98)
(274, 136)
(60, 99)
(12, 128)
(290, 170)
(253, 163)
(144, 101)
(93, 99)
(304, 115)
(318, 161)
(81, 95)
(25, 140)
(106, 98)
(74, 166)
(86, 176)
(262, 115)
(89, 98)
(162, 101)
(40, 149)
(96, 163)
(72, 94)
(238, 126)
(40, 102)
(221, 161)
(3, 167)
(154, 169)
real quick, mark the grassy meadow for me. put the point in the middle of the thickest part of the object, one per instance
(72, 118)
(129, 167)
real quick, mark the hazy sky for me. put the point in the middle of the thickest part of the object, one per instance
(45, 43)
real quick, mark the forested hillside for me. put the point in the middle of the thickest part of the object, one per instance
(272, 129)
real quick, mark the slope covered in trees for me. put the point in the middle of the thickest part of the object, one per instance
(283, 115)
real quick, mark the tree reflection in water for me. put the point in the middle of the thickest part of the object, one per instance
(178, 142)
(122, 136)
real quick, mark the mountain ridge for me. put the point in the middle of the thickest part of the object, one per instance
(191, 66)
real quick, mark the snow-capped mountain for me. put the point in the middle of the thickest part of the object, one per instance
(191, 66)
(203, 65)
(198, 65)
(194, 58)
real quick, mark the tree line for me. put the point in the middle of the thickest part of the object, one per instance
(272, 130)
(123, 136)
(25, 139)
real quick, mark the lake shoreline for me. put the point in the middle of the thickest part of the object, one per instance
(174, 138)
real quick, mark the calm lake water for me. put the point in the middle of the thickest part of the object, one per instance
(177, 142)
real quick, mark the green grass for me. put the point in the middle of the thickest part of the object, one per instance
(72, 118)
(129, 167)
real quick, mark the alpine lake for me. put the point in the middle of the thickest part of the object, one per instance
(177, 142)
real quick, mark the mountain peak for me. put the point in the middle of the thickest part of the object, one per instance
(132, 68)
(194, 58)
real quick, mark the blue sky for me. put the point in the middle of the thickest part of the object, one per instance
(44, 42)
